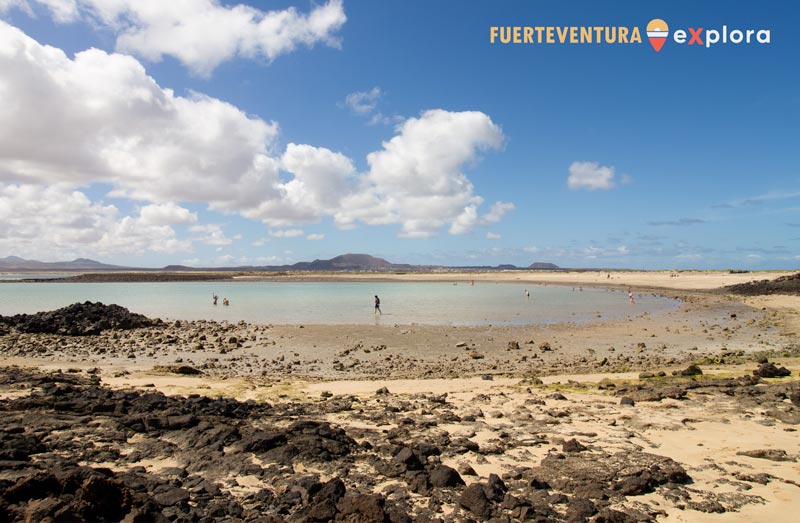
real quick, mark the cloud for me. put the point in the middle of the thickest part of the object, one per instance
(593, 252)
(381, 119)
(211, 234)
(287, 233)
(498, 210)
(758, 200)
(417, 179)
(201, 34)
(98, 118)
(678, 223)
(53, 222)
(315, 237)
(590, 175)
(464, 222)
(167, 214)
(492, 236)
(365, 103)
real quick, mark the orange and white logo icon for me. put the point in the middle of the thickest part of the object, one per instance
(657, 33)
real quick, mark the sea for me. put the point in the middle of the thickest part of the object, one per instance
(402, 303)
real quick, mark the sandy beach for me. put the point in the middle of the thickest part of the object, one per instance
(655, 418)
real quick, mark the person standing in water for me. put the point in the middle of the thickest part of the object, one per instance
(527, 295)
(215, 299)
(630, 297)
(378, 305)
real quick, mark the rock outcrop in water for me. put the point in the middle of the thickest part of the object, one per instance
(78, 319)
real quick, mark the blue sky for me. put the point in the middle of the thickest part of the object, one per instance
(274, 132)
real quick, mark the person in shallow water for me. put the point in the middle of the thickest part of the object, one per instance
(225, 301)
(378, 305)
(215, 299)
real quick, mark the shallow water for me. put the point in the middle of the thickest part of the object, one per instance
(342, 303)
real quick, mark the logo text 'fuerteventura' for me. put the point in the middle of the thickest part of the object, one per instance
(657, 33)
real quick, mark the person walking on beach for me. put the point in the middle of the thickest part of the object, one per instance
(378, 305)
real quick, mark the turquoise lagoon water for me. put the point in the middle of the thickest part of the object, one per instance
(342, 303)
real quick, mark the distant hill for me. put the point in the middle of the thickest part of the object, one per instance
(346, 262)
(343, 262)
(15, 263)
(542, 266)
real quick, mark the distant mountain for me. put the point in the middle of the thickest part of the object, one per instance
(346, 262)
(15, 263)
(343, 262)
(542, 266)
(177, 268)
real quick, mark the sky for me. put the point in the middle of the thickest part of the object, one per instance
(209, 133)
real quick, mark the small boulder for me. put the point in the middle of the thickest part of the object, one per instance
(770, 370)
(474, 499)
(691, 370)
(573, 445)
(444, 476)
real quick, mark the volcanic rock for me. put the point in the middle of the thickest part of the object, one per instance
(79, 319)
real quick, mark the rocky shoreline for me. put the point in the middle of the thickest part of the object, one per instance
(82, 440)
(783, 285)
(73, 449)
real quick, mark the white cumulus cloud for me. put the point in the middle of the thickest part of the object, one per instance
(201, 34)
(417, 179)
(54, 222)
(98, 118)
(590, 176)
(167, 214)
(498, 211)
(321, 178)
